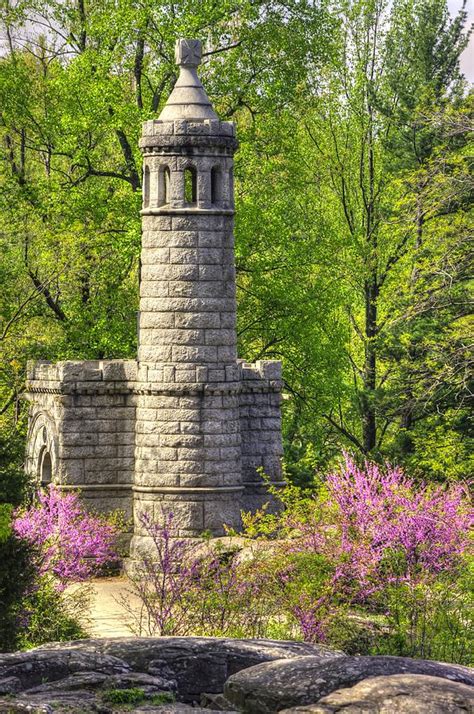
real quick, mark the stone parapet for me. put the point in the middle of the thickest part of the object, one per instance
(72, 371)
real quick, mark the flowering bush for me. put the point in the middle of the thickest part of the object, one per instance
(375, 543)
(74, 544)
(392, 530)
(187, 586)
(161, 578)
(373, 563)
(379, 528)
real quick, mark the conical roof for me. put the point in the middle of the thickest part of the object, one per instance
(188, 100)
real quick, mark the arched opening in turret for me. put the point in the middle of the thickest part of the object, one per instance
(216, 185)
(146, 187)
(167, 179)
(46, 467)
(190, 185)
(164, 181)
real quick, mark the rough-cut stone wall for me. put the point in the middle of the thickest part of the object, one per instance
(260, 429)
(83, 415)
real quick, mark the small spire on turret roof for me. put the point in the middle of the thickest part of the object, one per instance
(188, 100)
(188, 53)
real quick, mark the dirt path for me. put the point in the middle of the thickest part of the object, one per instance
(107, 616)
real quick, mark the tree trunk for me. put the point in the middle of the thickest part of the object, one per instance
(369, 422)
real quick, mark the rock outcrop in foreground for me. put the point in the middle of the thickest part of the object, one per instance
(176, 675)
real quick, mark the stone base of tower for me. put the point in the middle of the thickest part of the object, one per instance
(90, 424)
(195, 512)
(205, 449)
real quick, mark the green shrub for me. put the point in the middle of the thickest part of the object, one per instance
(136, 695)
(163, 698)
(18, 574)
(13, 480)
(124, 696)
(431, 622)
(53, 616)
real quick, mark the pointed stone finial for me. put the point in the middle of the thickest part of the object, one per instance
(188, 100)
(188, 53)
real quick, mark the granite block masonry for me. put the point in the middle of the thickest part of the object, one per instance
(187, 427)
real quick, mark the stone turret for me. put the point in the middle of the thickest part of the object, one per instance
(187, 427)
(188, 441)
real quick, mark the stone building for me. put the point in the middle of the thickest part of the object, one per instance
(187, 426)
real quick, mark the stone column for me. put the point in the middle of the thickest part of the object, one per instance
(188, 455)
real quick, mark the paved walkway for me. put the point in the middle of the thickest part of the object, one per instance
(107, 616)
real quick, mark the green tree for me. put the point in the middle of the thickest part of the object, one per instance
(75, 84)
(387, 178)
(353, 198)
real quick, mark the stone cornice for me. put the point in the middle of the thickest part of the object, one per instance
(194, 211)
(95, 388)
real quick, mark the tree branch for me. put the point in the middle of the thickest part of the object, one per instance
(345, 433)
(43, 289)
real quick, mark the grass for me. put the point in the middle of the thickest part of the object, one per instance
(136, 696)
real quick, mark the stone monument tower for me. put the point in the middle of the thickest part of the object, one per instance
(187, 427)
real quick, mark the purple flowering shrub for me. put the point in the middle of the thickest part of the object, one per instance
(373, 562)
(378, 527)
(188, 586)
(73, 543)
(161, 579)
(381, 541)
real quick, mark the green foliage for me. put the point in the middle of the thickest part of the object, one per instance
(163, 698)
(353, 195)
(136, 696)
(13, 482)
(18, 564)
(429, 622)
(124, 696)
(5, 521)
(51, 616)
(18, 575)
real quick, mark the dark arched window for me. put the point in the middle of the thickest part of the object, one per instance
(167, 180)
(46, 467)
(164, 180)
(146, 187)
(190, 185)
(216, 185)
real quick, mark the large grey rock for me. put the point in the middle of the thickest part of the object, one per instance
(76, 702)
(93, 681)
(38, 666)
(84, 703)
(197, 664)
(174, 709)
(72, 677)
(274, 686)
(14, 707)
(403, 693)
